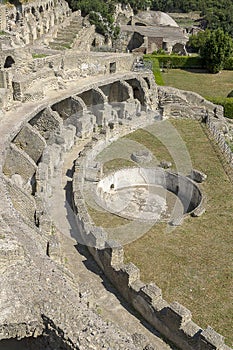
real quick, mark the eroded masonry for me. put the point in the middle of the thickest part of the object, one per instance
(70, 105)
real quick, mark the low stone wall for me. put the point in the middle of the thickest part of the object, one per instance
(173, 320)
(177, 103)
(220, 139)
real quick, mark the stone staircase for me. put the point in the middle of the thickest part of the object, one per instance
(66, 36)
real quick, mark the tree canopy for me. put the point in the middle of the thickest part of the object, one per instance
(215, 47)
(216, 13)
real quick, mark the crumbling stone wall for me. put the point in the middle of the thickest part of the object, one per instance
(30, 79)
(35, 151)
(177, 103)
(220, 139)
(31, 20)
(30, 141)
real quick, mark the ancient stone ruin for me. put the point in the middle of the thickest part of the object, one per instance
(60, 107)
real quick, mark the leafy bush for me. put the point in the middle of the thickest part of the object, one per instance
(176, 61)
(230, 94)
(217, 48)
(229, 64)
(226, 102)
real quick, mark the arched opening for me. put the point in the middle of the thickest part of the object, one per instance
(112, 67)
(116, 92)
(41, 9)
(92, 98)
(147, 81)
(9, 62)
(66, 108)
(33, 11)
(140, 24)
(135, 42)
(138, 91)
(17, 18)
(179, 49)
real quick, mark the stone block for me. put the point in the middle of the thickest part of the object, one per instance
(18, 162)
(210, 340)
(175, 316)
(48, 123)
(30, 141)
(151, 293)
(197, 175)
(97, 238)
(115, 253)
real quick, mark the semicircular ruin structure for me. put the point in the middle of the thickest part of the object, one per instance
(144, 193)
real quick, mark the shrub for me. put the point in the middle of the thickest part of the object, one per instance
(217, 48)
(226, 102)
(230, 94)
(229, 64)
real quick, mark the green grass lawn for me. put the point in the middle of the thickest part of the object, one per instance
(192, 264)
(205, 84)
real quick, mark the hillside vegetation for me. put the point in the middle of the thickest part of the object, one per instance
(215, 13)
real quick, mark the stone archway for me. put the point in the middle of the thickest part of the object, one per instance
(93, 97)
(116, 92)
(9, 61)
(138, 91)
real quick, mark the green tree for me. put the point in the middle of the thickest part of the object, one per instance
(197, 41)
(216, 49)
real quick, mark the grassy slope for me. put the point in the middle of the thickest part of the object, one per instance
(207, 85)
(193, 264)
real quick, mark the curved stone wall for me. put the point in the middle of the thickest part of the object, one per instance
(36, 145)
(183, 187)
